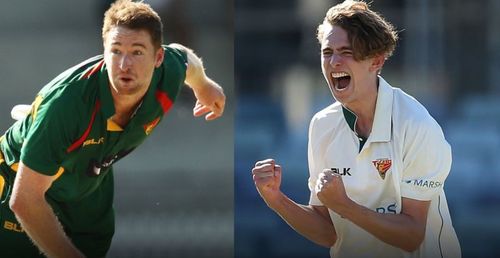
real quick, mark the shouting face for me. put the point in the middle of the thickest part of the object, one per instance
(349, 80)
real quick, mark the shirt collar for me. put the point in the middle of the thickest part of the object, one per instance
(382, 122)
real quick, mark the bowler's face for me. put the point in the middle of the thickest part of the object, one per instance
(346, 77)
(130, 59)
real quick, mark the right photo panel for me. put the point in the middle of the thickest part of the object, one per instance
(367, 128)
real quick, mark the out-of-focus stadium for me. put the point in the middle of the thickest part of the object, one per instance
(174, 194)
(448, 57)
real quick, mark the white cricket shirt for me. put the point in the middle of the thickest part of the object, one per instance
(406, 155)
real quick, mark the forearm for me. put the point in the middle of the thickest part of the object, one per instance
(202, 83)
(195, 72)
(398, 230)
(307, 221)
(44, 229)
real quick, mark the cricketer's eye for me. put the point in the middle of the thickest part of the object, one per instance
(115, 51)
(327, 52)
(138, 53)
(346, 53)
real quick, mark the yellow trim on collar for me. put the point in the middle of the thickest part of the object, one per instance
(59, 173)
(113, 127)
(15, 166)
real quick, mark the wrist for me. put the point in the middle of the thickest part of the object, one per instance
(278, 202)
(198, 83)
(347, 209)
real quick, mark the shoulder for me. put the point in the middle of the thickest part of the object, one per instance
(175, 53)
(328, 115)
(171, 74)
(413, 122)
(326, 121)
(71, 83)
(70, 92)
(85, 70)
(409, 112)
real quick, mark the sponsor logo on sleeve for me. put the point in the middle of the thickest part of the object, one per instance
(425, 183)
(382, 166)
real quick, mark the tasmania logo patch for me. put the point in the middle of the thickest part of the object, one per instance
(382, 165)
(148, 128)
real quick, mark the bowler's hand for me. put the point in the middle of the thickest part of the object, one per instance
(331, 192)
(210, 101)
(267, 179)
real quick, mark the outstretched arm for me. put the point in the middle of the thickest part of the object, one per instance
(36, 216)
(210, 96)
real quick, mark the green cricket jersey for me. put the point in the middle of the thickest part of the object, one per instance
(69, 133)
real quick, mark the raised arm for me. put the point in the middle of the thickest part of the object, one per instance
(210, 96)
(313, 222)
(36, 216)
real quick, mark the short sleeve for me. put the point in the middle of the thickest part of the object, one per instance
(426, 161)
(50, 134)
(174, 71)
(314, 165)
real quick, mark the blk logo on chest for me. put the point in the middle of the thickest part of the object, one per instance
(342, 172)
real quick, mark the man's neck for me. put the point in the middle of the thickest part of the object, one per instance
(365, 111)
(125, 106)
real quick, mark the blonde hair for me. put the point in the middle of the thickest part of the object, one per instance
(136, 16)
(369, 34)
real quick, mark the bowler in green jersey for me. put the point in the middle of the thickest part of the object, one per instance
(56, 177)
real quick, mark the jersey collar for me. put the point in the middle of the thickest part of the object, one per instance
(382, 122)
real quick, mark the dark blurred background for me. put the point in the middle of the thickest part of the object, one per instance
(448, 57)
(174, 194)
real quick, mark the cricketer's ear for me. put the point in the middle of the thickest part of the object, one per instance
(159, 55)
(377, 62)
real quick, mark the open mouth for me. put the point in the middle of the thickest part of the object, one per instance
(125, 80)
(340, 80)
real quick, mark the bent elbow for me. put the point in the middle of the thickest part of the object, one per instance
(15, 204)
(328, 244)
(328, 241)
(412, 245)
(18, 206)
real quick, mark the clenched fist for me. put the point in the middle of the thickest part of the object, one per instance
(267, 179)
(331, 192)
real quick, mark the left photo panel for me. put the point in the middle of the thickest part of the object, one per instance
(117, 128)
